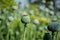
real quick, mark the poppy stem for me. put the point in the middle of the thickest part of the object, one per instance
(25, 26)
(52, 35)
(57, 36)
(24, 29)
(54, 7)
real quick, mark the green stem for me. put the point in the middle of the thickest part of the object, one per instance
(52, 35)
(57, 36)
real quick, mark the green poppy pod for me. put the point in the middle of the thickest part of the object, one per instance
(10, 18)
(51, 7)
(31, 12)
(53, 26)
(25, 19)
(51, 13)
(47, 36)
(43, 1)
(36, 22)
(47, 10)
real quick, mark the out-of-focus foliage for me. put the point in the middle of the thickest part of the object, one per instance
(36, 15)
(7, 3)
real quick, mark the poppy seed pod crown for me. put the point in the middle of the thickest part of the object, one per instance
(43, 1)
(24, 14)
(53, 26)
(25, 19)
(36, 22)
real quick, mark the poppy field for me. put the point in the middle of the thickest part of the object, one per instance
(30, 22)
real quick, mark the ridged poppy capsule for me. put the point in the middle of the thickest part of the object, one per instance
(41, 29)
(47, 10)
(42, 7)
(53, 26)
(51, 7)
(36, 22)
(31, 12)
(25, 19)
(51, 3)
(43, 1)
(14, 7)
(10, 18)
(51, 13)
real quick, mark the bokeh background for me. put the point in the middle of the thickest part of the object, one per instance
(36, 14)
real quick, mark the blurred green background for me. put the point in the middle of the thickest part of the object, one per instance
(36, 14)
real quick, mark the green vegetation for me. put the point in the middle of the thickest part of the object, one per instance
(37, 18)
